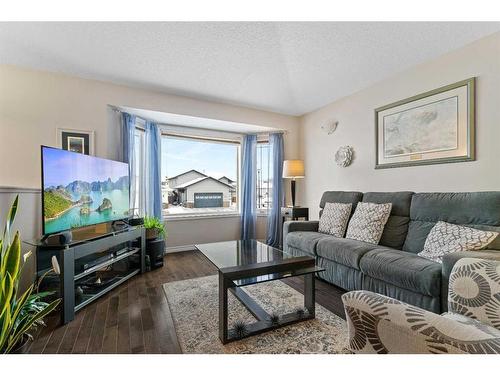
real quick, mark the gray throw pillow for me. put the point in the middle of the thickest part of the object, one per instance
(334, 218)
(445, 238)
(368, 222)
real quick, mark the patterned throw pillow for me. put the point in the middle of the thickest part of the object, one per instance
(368, 221)
(334, 218)
(445, 238)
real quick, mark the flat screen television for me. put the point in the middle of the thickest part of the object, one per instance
(81, 190)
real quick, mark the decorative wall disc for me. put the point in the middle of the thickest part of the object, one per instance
(344, 155)
(329, 127)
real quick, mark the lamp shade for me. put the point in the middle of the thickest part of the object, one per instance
(293, 169)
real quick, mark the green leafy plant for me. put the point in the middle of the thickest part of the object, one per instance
(153, 223)
(18, 314)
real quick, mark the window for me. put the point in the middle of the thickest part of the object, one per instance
(264, 177)
(199, 176)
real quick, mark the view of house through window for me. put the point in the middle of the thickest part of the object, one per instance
(264, 177)
(199, 176)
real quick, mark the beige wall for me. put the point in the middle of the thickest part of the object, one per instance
(34, 104)
(356, 128)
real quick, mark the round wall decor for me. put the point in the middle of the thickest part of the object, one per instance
(329, 127)
(344, 155)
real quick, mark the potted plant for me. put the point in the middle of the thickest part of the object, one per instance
(154, 228)
(20, 313)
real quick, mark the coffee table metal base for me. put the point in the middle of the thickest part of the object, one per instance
(264, 322)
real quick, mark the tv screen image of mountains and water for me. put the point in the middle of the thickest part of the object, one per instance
(81, 190)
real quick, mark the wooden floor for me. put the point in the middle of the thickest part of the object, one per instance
(135, 317)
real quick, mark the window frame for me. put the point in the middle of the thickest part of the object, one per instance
(139, 169)
(263, 211)
(208, 139)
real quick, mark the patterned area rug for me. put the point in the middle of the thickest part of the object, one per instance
(194, 307)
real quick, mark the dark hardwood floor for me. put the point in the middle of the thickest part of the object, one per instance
(135, 317)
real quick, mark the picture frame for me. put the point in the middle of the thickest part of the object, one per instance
(434, 127)
(81, 141)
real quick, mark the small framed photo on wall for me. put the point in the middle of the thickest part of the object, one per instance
(81, 141)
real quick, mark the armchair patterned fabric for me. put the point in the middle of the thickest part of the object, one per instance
(379, 324)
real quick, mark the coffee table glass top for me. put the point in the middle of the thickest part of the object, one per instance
(250, 253)
(240, 253)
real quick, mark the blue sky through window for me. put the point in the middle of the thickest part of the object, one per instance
(214, 159)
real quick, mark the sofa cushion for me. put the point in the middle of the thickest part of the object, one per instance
(368, 222)
(305, 241)
(340, 197)
(334, 218)
(402, 269)
(343, 250)
(480, 210)
(396, 228)
(446, 238)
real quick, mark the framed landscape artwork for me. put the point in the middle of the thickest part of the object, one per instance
(430, 128)
(80, 141)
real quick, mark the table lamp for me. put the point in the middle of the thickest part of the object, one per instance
(293, 169)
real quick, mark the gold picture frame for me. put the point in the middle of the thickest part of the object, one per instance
(435, 127)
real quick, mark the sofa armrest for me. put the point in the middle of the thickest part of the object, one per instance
(299, 226)
(449, 260)
(379, 324)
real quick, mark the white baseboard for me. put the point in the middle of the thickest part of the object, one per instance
(176, 249)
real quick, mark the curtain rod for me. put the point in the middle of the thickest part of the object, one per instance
(116, 109)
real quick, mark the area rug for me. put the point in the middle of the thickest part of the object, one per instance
(194, 307)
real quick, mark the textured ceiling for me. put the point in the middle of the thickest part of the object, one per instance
(289, 67)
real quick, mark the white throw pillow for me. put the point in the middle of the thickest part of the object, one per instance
(445, 238)
(368, 222)
(334, 218)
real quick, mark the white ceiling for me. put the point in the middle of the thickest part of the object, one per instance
(290, 67)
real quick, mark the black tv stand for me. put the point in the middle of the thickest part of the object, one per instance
(123, 250)
(62, 238)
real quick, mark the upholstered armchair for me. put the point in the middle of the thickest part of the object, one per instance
(379, 324)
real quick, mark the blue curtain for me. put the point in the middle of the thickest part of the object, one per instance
(128, 154)
(152, 171)
(248, 187)
(274, 231)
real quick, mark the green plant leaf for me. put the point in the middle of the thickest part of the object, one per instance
(10, 219)
(17, 314)
(5, 327)
(12, 258)
(152, 222)
(21, 302)
(7, 292)
(29, 323)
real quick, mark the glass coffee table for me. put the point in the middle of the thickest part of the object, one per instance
(242, 263)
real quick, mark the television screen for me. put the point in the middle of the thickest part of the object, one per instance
(81, 190)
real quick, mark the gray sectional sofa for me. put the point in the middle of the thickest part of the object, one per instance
(393, 267)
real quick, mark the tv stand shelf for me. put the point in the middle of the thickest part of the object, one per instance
(107, 263)
(79, 287)
(92, 297)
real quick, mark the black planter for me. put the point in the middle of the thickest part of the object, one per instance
(155, 249)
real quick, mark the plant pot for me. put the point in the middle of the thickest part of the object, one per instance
(151, 233)
(23, 347)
